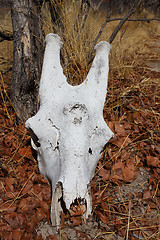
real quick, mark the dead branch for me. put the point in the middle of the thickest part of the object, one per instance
(99, 34)
(116, 30)
(119, 26)
(147, 20)
(5, 72)
(5, 36)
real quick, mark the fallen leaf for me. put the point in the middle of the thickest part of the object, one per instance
(105, 174)
(10, 195)
(119, 128)
(30, 223)
(124, 154)
(23, 204)
(28, 186)
(44, 206)
(117, 169)
(22, 219)
(128, 174)
(109, 151)
(111, 125)
(17, 234)
(131, 163)
(40, 214)
(153, 161)
(5, 151)
(121, 142)
(76, 221)
(9, 182)
(46, 193)
(25, 152)
(147, 194)
(12, 219)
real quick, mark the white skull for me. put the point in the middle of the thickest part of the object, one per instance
(69, 132)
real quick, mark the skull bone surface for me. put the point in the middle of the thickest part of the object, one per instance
(69, 132)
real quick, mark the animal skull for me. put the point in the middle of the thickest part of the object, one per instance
(69, 132)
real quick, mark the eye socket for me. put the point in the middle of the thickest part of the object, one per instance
(34, 137)
(90, 150)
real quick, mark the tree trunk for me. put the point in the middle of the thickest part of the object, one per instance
(28, 56)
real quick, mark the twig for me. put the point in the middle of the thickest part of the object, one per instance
(148, 20)
(130, 12)
(116, 30)
(99, 34)
(6, 36)
(8, 70)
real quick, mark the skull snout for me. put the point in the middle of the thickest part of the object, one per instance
(63, 203)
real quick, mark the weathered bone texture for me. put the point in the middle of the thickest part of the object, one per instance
(69, 132)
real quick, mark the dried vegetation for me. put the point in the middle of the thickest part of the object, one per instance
(126, 185)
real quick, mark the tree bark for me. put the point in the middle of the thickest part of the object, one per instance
(28, 56)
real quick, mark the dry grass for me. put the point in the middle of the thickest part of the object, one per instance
(129, 49)
(77, 42)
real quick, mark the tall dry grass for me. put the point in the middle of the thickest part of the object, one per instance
(77, 42)
(129, 49)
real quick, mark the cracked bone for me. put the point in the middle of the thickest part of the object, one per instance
(69, 132)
